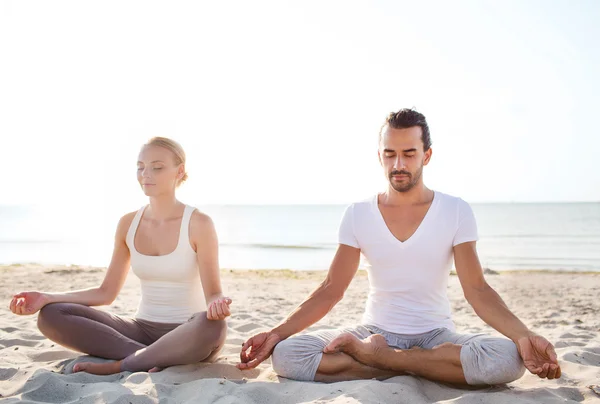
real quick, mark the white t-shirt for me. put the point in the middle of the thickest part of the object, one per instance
(408, 280)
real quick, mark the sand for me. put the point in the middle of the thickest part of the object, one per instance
(563, 307)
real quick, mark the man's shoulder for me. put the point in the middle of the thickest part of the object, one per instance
(363, 205)
(450, 200)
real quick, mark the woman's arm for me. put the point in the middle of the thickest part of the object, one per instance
(31, 302)
(204, 240)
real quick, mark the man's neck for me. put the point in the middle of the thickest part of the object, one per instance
(417, 195)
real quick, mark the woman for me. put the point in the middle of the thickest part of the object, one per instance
(173, 249)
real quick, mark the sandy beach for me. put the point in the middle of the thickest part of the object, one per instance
(561, 306)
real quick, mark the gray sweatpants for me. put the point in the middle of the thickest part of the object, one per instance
(485, 360)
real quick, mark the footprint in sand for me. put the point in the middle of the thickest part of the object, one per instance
(589, 357)
(35, 337)
(6, 374)
(48, 356)
(568, 343)
(21, 342)
(581, 335)
(247, 327)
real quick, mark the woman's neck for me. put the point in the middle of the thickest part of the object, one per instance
(164, 207)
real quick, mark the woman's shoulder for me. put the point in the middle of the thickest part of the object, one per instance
(125, 222)
(200, 218)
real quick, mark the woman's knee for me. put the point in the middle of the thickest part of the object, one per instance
(211, 330)
(49, 318)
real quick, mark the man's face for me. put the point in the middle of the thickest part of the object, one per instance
(401, 155)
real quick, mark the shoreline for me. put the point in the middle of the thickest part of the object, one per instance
(361, 271)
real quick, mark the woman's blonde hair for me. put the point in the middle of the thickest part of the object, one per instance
(175, 148)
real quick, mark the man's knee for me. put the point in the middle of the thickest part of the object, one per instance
(291, 359)
(491, 361)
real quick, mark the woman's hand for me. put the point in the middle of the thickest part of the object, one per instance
(26, 303)
(218, 309)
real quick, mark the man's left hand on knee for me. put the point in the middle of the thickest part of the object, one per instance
(539, 356)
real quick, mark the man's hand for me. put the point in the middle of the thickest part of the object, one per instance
(539, 356)
(261, 347)
(26, 303)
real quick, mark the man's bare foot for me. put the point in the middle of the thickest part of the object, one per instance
(367, 351)
(107, 368)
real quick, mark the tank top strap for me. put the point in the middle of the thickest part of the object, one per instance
(134, 225)
(184, 231)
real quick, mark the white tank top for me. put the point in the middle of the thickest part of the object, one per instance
(171, 286)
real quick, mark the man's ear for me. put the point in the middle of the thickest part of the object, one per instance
(427, 158)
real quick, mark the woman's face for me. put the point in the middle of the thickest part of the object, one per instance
(157, 172)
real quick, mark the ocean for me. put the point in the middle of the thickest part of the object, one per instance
(513, 236)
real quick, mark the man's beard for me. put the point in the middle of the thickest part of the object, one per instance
(412, 179)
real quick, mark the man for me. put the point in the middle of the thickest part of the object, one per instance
(409, 235)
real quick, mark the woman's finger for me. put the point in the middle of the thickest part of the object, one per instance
(13, 304)
(226, 310)
(209, 312)
(219, 309)
(213, 311)
(19, 305)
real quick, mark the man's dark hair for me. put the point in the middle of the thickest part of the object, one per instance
(407, 118)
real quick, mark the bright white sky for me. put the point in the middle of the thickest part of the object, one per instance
(280, 102)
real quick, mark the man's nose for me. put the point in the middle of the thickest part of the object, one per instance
(399, 163)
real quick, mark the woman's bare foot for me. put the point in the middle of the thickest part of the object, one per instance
(155, 369)
(367, 351)
(107, 368)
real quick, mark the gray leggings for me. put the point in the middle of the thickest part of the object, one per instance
(484, 359)
(142, 344)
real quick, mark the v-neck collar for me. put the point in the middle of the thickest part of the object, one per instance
(417, 232)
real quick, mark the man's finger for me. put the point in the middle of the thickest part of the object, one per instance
(552, 354)
(252, 364)
(243, 366)
(552, 372)
(246, 344)
(544, 373)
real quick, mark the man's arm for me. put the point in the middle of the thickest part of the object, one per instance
(486, 302)
(538, 353)
(312, 309)
(326, 296)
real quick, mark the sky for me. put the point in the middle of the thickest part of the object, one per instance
(281, 102)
